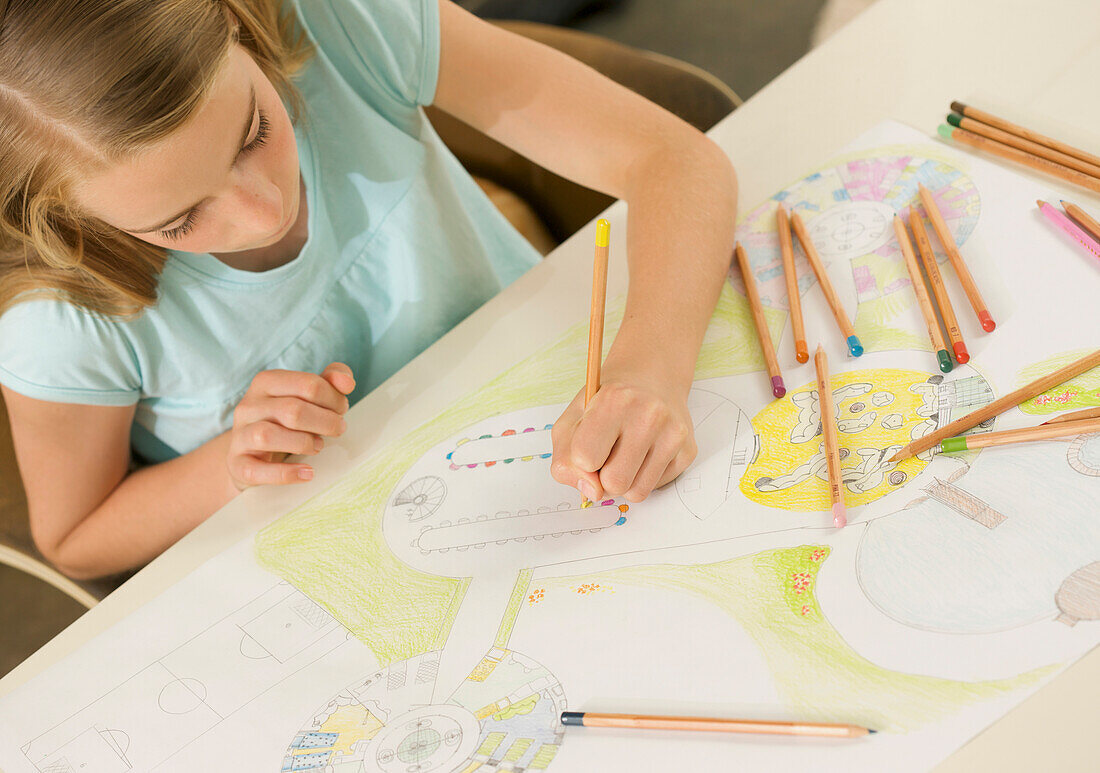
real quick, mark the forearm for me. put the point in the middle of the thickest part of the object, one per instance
(680, 226)
(149, 511)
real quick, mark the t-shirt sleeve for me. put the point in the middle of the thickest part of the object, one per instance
(392, 45)
(52, 350)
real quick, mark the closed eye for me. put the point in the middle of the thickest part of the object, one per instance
(184, 228)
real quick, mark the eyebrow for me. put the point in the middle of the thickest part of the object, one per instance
(240, 146)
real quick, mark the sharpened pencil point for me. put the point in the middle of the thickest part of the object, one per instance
(869, 730)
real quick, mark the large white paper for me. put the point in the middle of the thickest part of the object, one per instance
(438, 608)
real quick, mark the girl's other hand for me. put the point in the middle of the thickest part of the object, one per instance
(636, 435)
(286, 412)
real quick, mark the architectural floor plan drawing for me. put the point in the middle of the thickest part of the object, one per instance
(438, 607)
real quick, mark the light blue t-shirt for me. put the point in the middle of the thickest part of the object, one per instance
(402, 246)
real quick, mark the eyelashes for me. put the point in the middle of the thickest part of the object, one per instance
(184, 228)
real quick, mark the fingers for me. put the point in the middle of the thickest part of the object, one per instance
(292, 413)
(595, 434)
(340, 376)
(272, 437)
(625, 444)
(660, 468)
(248, 470)
(286, 412)
(305, 386)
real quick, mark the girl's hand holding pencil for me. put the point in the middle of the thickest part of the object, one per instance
(286, 412)
(635, 435)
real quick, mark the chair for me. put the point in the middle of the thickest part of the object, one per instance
(693, 94)
(17, 549)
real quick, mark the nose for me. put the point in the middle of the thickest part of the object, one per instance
(259, 206)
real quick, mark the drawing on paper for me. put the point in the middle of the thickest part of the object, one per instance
(1079, 596)
(775, 603)
(504, 716)
(428, 569)
(791, 466)
(848, 209)
(169, 703)
(1083, 455)
(949, 561)
(1081, 391)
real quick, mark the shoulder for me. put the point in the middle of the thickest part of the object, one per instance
(390, 46)
(53, 350)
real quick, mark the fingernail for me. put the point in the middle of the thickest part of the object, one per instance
(305, 473)
(586, 489)
(318, 444)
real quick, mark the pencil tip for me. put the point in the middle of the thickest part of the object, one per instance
(840, 515)
(870, 731)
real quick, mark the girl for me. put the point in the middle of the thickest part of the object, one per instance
(222, 222)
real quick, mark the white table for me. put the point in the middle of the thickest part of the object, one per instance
(1034, 62)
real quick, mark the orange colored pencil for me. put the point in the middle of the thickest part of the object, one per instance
(970, 287)
(1083, 219)
(827, 410)
(999, 406)
(1087, 413)
(1020, 131)
(794, 298)
(1023, 435)
(939, 290)
(1020, 143)
(596, 310)
(841, 317)
(765, 336)
(1020, 157)
(711, 724)
(923, 301)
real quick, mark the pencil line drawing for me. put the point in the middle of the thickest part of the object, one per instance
(848, 208)
(788, 471)
(814, 667)
(930, 569)
(964, 503)
(1078, 598)
(504, 716)
(431, 614)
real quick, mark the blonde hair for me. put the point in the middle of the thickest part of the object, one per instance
(89, 82)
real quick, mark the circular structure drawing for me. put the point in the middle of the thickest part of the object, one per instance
(1084, 455)
(181, 696)
(854, 229)
(504, 716)
(848, 211)
(425, 739)
(421, 498)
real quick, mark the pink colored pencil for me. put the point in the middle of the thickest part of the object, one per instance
(1075, 232)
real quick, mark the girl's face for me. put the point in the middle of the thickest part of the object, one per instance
(227, 181)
